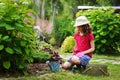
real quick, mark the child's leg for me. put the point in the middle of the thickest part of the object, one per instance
(75, 60)
(71, 61)
(84, 61)
(67, 65)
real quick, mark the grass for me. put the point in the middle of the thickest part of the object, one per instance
(113, 69)
(106, 56)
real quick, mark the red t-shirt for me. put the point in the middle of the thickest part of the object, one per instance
(83, 43)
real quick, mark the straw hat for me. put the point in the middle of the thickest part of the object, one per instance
(82, 20)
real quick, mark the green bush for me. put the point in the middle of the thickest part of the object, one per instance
(16, 36)
(106, 28)
(68, 44)
(52, 41)
(63, 27)
(41, 45)
(41, 57)
(40, 54)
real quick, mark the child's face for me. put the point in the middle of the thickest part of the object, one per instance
(79, 28)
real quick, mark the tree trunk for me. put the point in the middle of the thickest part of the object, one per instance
(38, 3)
(43, 11)
(53, 11)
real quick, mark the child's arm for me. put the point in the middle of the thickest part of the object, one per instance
(91, 49)
(79, 54)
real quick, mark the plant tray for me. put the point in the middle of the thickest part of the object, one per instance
(96, 70)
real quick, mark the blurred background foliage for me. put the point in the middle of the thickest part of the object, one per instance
(106, 28)
(68, 45)
(61, 14)
(16, 36)
(53, 22)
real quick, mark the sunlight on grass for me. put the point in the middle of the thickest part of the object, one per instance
(76, 76)
(68, 75)
(113, 69)
(110, 57)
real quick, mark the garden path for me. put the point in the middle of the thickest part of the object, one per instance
(100, 60)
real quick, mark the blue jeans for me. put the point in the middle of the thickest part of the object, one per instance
(83, 60)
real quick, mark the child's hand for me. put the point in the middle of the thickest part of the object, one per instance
(74, 53)
(80, 54)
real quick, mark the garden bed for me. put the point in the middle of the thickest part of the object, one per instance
(35, 68)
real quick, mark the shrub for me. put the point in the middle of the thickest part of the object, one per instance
(43, 51)
(42, 45)
(62, 28)
(41, 57)
(52, 41)
(106, 28)
(16, 36)
(68, 45)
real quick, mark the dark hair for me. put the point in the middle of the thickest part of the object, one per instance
(86, 29)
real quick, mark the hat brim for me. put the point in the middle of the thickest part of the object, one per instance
(80, 24)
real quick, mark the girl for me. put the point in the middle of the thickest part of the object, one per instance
(84, 46)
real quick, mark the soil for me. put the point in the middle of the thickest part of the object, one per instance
(35, 68)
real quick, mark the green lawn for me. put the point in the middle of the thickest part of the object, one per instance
(113, 69)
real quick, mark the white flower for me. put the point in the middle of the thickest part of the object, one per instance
(15, 4)
(1, 4)
(25, 2)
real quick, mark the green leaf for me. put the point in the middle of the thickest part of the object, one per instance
(6, 64)
(112, 35)
(30, 59)
(8, 27)
(97, 37)
(0, 36)
(18, 50)
(25, 72)
(27, 50)
(110, 28)
(21, 66)
(103, 49)
(103, 33)
(23, 43)
(1, 47)
(19, 25)
(9, 50)
(26, 34)
(2, 25)
(99, 46)
(5, 37)
(103, 41)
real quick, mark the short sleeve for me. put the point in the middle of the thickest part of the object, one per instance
(91, 36)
